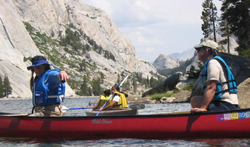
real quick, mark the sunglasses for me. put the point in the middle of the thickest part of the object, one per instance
(199, 49)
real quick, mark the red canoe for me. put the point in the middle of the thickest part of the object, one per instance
(235, 124)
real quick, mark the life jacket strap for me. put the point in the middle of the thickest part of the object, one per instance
(57, 96)
(227, 90)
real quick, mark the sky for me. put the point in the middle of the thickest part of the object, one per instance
(156, 26)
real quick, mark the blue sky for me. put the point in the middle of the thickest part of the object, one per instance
(156, 26)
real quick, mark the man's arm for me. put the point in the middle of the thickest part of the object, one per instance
(208, 96)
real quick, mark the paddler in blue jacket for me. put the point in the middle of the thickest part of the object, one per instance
(48, 88)
(220, 89)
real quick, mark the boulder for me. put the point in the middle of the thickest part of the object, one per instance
(167, 99)
(182, 96)
(244, 93)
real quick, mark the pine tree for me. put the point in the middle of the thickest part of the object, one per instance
(1, 87)
(7, 87)
(102, 77)
(134, 84)
(96, 87)
(82, 66)
(153, 82)
(126, 85)
(209, 17)
(90, 91)
(225, 27)
(84, 86)
(193, 73)
(118, 79)
(236, 14)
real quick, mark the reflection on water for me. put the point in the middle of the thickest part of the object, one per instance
(25, 106)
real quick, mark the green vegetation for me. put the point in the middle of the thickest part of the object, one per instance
(27, 59)
(65, 54)
(5, 88)
(236, 15)
(193, 73)
(55, 53)
(189, 86)
(234, 20)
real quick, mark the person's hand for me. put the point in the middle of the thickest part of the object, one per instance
(195, 110)
(63, 76)
(101, 109)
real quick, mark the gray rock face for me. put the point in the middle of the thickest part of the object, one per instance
(165, 62)
(188, 54)
(49, 16)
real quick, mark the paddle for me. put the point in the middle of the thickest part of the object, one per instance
(112, 95)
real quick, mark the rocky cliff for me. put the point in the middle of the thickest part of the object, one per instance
(102, 48)
(166, 62)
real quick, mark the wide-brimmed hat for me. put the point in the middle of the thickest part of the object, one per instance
(208, 43)
(38, 60)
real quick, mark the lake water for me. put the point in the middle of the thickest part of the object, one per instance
(25, 106)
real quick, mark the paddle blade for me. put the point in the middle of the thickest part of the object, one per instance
(137, 106)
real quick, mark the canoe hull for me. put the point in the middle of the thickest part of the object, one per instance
(112, 112)
(209, 125)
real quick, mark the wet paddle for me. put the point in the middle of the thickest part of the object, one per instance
(112, 95)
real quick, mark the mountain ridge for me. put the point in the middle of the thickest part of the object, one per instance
(51, 21)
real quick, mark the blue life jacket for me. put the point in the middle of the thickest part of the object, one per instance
(230, 81)
(46, 91)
